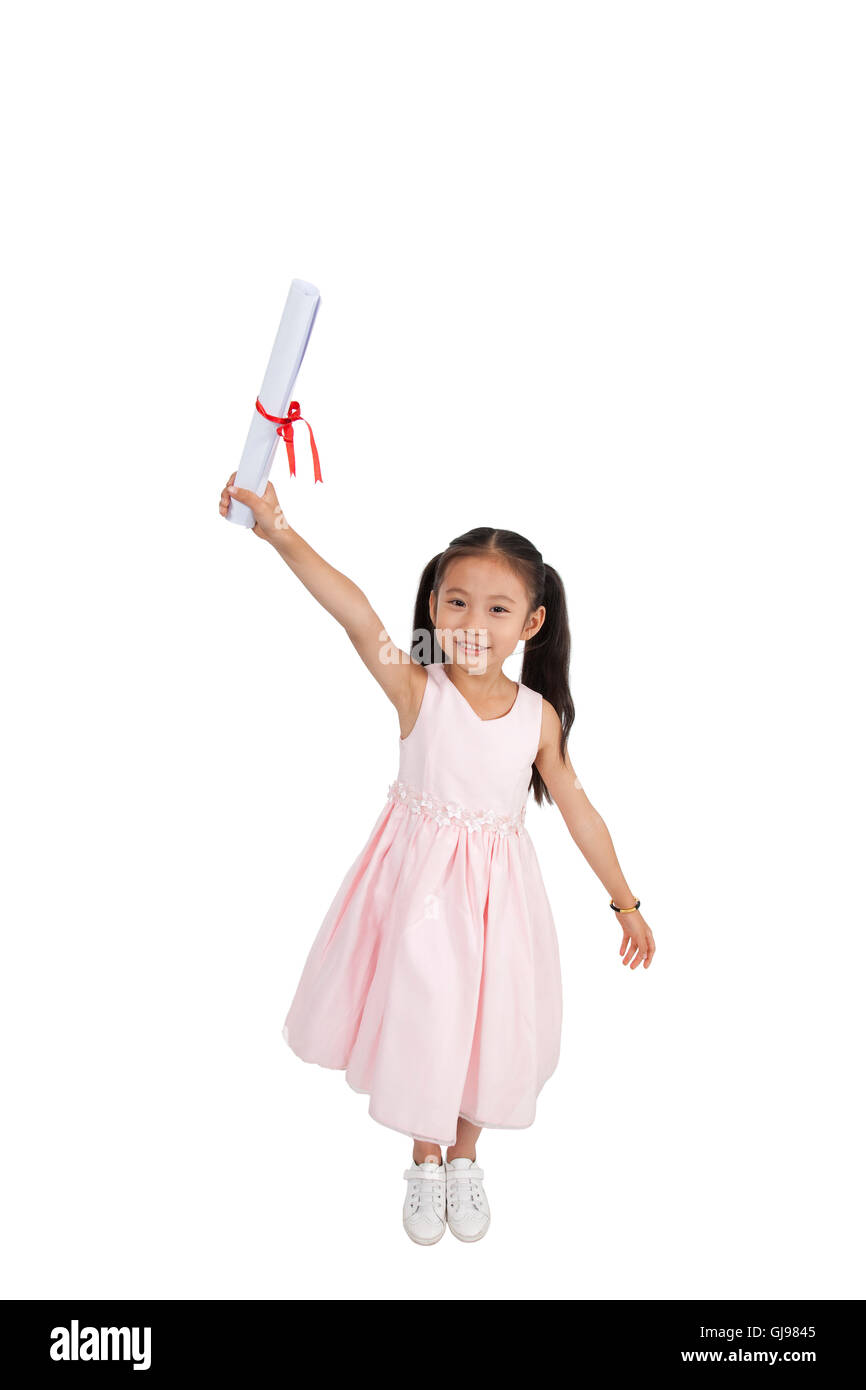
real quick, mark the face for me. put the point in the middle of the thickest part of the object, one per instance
(482, 613)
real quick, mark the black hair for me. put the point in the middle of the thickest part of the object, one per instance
(546, 656)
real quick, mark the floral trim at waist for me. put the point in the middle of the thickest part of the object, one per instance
(451, 813)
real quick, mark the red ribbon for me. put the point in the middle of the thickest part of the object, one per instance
(285, 431)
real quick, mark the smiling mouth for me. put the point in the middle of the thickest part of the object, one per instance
(471, 650)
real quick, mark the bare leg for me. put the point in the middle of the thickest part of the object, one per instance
(467, 1137)
(424, 1148)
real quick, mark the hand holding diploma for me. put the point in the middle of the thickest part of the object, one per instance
(268, 515)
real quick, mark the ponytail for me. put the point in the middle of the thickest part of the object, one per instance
(546, 659)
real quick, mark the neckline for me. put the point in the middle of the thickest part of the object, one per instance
(497, 718)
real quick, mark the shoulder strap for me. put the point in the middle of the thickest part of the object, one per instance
(530, 726)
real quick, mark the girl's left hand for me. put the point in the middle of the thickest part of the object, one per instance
(637, 941)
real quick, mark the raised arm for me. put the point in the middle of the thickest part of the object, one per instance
(401, 678)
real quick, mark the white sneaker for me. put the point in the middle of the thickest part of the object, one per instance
(424, 1207)
(468, 1213)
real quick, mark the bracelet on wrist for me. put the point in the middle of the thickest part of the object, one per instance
(625, 909)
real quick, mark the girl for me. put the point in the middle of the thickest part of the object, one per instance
(434, 980)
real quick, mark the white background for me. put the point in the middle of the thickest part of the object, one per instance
(592, 272)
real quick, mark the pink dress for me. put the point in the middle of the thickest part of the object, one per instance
(434, 980)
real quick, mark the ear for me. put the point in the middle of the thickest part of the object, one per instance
(432, 607)
(534, 623)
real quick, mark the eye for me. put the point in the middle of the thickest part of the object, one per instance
(501, 609)
(455, 600)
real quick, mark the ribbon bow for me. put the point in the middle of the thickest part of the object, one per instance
(285, 431)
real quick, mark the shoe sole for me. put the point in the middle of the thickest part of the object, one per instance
(480, 1236)
(431, 1240)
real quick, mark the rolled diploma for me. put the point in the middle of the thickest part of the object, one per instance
(287, 354)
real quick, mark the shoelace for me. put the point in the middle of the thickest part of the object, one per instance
(463, 1185)
(423, 1189)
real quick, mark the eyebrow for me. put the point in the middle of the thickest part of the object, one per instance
(507, 597)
